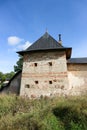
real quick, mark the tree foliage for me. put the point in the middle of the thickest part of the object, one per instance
(5, 76)
(2, 77)
(19, 64)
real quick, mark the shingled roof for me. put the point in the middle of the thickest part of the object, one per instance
(78, 60)
(46, 42)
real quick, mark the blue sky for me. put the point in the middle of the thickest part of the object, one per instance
(23, 21)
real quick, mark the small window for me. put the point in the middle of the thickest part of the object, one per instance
(36, 82)
(50, 82)
(35, 64)
(50, 63)
(27, 86)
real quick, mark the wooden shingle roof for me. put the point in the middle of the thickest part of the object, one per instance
(46, 43)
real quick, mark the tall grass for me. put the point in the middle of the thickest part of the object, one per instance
(17, 113)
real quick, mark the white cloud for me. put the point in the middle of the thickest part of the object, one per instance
(25, 46)
(13, 40)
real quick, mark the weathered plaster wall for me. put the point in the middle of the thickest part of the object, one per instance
(48, 77)
(14, 86)
(77, 75)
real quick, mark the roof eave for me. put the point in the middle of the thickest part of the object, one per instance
(68, 51)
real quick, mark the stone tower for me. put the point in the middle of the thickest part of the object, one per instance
(44, 68)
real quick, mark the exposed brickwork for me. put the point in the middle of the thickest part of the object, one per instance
(50, 72)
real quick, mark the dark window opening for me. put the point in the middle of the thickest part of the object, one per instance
(50, 82)
(50, 63)
(35, 64)
(36, 82)
(27, 86)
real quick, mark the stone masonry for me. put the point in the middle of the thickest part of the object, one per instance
(44, 74)
(77, 76)
(49, 70)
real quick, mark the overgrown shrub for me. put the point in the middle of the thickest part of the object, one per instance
(17, 113)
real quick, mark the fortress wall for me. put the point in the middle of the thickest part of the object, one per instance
(77, 75)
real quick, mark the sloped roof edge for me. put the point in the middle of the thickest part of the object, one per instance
(46, 43)
(20, 71)
(82, 60)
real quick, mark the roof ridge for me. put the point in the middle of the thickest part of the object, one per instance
(44, 43)
(42, 39)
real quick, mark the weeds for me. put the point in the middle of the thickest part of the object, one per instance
(17, 113)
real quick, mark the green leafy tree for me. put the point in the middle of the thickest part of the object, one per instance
(9, 75)
(4, 77)
(19, 64)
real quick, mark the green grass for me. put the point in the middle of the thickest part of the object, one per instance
(17, 113)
